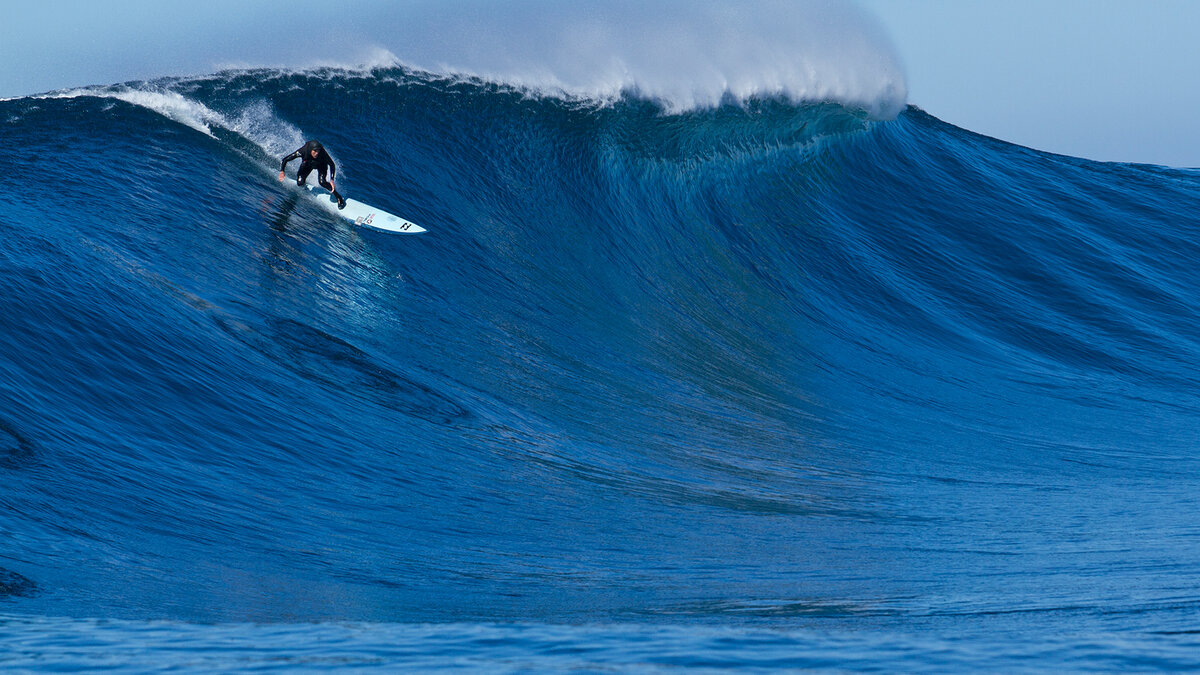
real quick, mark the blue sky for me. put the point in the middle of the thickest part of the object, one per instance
(1114, 80)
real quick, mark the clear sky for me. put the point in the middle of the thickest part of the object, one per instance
(1115, 80)
(1104, 79)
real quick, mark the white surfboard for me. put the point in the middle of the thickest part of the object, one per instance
(362, 214)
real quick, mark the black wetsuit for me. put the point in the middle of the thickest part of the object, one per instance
(323, 163)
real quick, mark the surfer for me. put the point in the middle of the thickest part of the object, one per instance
(313, 156)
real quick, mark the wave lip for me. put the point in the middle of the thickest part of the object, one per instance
(685, 54)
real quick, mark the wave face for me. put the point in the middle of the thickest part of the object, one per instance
(889, 387)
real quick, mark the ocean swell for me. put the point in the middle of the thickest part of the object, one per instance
(764, 363)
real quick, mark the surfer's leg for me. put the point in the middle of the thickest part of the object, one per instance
(340, 199)
(329, 186)
(302, 175)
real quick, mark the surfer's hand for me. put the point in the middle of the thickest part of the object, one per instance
(280, 175)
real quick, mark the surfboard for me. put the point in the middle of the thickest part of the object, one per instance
(363, 215)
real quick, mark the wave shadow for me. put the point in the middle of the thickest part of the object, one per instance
(13, 585)
(331, 361)
(16, 451)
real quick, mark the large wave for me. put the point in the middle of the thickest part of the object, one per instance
(756, 362)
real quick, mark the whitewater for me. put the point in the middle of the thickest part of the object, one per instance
(733, 362)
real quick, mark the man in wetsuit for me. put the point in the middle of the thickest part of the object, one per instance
(313, 156)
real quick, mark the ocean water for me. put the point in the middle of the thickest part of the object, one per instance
(758, 385)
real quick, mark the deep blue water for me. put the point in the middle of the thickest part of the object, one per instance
(755, 387)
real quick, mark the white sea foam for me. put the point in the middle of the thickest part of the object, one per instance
(256, 122)
(259, 123)
(166, 103)
(686, 53)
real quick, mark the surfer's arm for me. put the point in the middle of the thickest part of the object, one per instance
(284, 163)
(329, 160)
(332, 170)
(294, 155)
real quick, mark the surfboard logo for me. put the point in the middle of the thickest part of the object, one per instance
(364, 220)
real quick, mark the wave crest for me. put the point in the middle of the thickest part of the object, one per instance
(685, 54)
